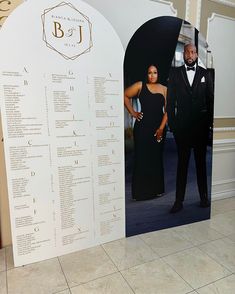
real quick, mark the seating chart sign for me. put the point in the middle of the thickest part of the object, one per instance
(61, 90)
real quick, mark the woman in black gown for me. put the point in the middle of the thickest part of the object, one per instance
(149, 135)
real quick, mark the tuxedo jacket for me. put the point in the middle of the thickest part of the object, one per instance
(189, 107)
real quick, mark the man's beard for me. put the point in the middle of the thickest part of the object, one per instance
(190, 64)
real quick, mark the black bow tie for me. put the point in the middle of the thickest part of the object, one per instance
(190, 68)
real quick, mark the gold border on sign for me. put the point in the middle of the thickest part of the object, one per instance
(44, 32)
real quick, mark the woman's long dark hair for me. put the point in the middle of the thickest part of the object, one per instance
(145, 78)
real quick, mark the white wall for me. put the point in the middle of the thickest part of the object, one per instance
(220, 36)
(129, 15)
(221, 40)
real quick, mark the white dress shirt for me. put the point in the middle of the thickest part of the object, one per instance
(190, 74)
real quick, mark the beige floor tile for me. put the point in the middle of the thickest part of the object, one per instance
(165, 242)
(86, 265)
(2, 260)
(198, 233)
(63, 292)
(112, 284)
(9, 257)
(196, 267)
(223, 251)
(232, 237)
(129, 252)
(3, 284)
(224, 223)
(155, 277)
(38, 278)
(223, 205)
(223, 286)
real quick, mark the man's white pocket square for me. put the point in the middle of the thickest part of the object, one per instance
(203, 80)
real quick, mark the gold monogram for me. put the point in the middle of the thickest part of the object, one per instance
(59, 32)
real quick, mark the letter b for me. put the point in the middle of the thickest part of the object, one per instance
(58, 32)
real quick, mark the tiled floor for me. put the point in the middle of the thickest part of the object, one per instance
(197, 258)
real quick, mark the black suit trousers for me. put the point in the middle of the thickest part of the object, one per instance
(184, 147)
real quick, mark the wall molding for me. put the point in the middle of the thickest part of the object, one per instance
(223, 189)
(213, 15)
(223, 149)
(217, 24)
(194, 18)
(209, 20)
(223, 145)
(223, 195)
(187, 10)
(225, 117)
(198, 17)
(224, 2)
(224, 141)
(224, 129)
(171, 4)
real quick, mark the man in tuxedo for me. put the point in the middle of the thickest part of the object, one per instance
(190, 115)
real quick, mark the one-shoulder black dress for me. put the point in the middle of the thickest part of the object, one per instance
(148, 173)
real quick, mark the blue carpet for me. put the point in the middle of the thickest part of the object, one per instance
(152, 215)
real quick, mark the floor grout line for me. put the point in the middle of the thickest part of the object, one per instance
(152, 251)
(179, 275)
(222, 233)
(193, 245)
(118, 270)
(109, 257)
(230, 238)
(6, 270)
(84, 283)
(64, 274)
(206, 242)
(171, 253)
(213, 282)
(127, 282)
(4, 259)
(215, 260)
(230, 273)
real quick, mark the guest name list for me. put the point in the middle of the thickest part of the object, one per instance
(63, 132)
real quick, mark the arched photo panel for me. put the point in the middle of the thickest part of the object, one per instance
(169, 96)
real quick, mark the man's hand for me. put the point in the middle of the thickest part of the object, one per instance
(138, 115)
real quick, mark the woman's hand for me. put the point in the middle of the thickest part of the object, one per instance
(158, 134)
(138, 115)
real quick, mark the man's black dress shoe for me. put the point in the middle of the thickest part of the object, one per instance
(205, 203)
(176, 207)
(160, 195)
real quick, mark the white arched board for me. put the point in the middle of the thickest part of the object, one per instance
(221, 30)
(61, 94)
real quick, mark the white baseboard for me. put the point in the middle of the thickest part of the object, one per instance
(222, 195)
(223, 177)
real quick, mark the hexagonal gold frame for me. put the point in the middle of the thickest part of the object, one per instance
(44, 32)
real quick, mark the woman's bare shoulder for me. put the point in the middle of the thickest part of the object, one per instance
(133, 90)
(162, 87)
(138, 84)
